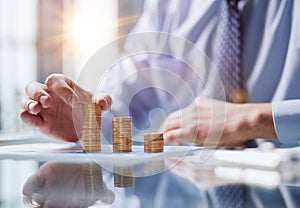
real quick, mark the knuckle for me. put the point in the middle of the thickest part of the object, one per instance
(30, 86)
(33, 90)
(35, 93)
(62, 90)
(52, 79)
(170, 136)
(109, 99)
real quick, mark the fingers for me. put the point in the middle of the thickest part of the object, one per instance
(45, 101)
(37, 92)
(175, 115)
(105, 101)
(30, 190)
(173, 127)
(62, 87)
(173, 136)
(174, 120)
(171, 124)
(31, 120)
(31, 106)
(34, 200)
(33, 184)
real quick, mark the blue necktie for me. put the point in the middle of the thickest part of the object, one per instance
(228, 63)
(228, 55)
(229, 196)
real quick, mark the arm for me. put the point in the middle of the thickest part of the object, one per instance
(211, 122)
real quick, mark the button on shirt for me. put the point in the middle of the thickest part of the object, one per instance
(271, 59)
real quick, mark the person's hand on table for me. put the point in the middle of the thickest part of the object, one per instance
(48, 107)
(211, 122)
(63, 185)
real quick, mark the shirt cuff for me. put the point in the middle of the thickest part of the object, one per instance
(286, 117)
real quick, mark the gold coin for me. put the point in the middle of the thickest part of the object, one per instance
(128, 118)
(153, 143)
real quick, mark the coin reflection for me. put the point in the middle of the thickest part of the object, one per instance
(123, 176)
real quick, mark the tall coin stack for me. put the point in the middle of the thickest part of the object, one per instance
(94, 186)
(91, 127)
(153, 143)
(122, 135)
(123, 176)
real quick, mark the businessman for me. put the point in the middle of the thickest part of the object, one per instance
(269, 63)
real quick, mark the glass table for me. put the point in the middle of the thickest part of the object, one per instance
(197, 178)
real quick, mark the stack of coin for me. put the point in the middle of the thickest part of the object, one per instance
(123, 176)
(153, 143)
(91, 127)
(154, 167)
(122, 135)
(94, 186)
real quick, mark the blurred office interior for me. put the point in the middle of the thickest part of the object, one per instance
(40, 37)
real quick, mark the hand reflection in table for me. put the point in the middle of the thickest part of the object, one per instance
(202, 176)
(67, 185)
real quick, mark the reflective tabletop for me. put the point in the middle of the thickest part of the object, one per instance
(214, 178)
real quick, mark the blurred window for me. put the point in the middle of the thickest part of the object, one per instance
(40, 37)
(18, 57)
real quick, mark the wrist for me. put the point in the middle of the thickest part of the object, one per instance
(259, 121)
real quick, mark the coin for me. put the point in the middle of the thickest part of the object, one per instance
(122, 134)
(91, 126)
(153, 143)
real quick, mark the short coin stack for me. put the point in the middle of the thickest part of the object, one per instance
(91, 127)
(153, 143)
(94, 186)
(154, 167)
(122, 135)
(123, 176)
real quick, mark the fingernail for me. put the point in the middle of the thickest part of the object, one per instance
(30, 106)
(36, 199)
(43, 101)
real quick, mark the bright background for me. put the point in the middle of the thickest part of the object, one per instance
(40, 37)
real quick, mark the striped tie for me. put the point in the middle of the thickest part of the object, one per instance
(229, 196)
(228, 57)
(228, 63)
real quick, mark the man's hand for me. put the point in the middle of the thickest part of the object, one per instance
(48, 107)
(211, 122)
